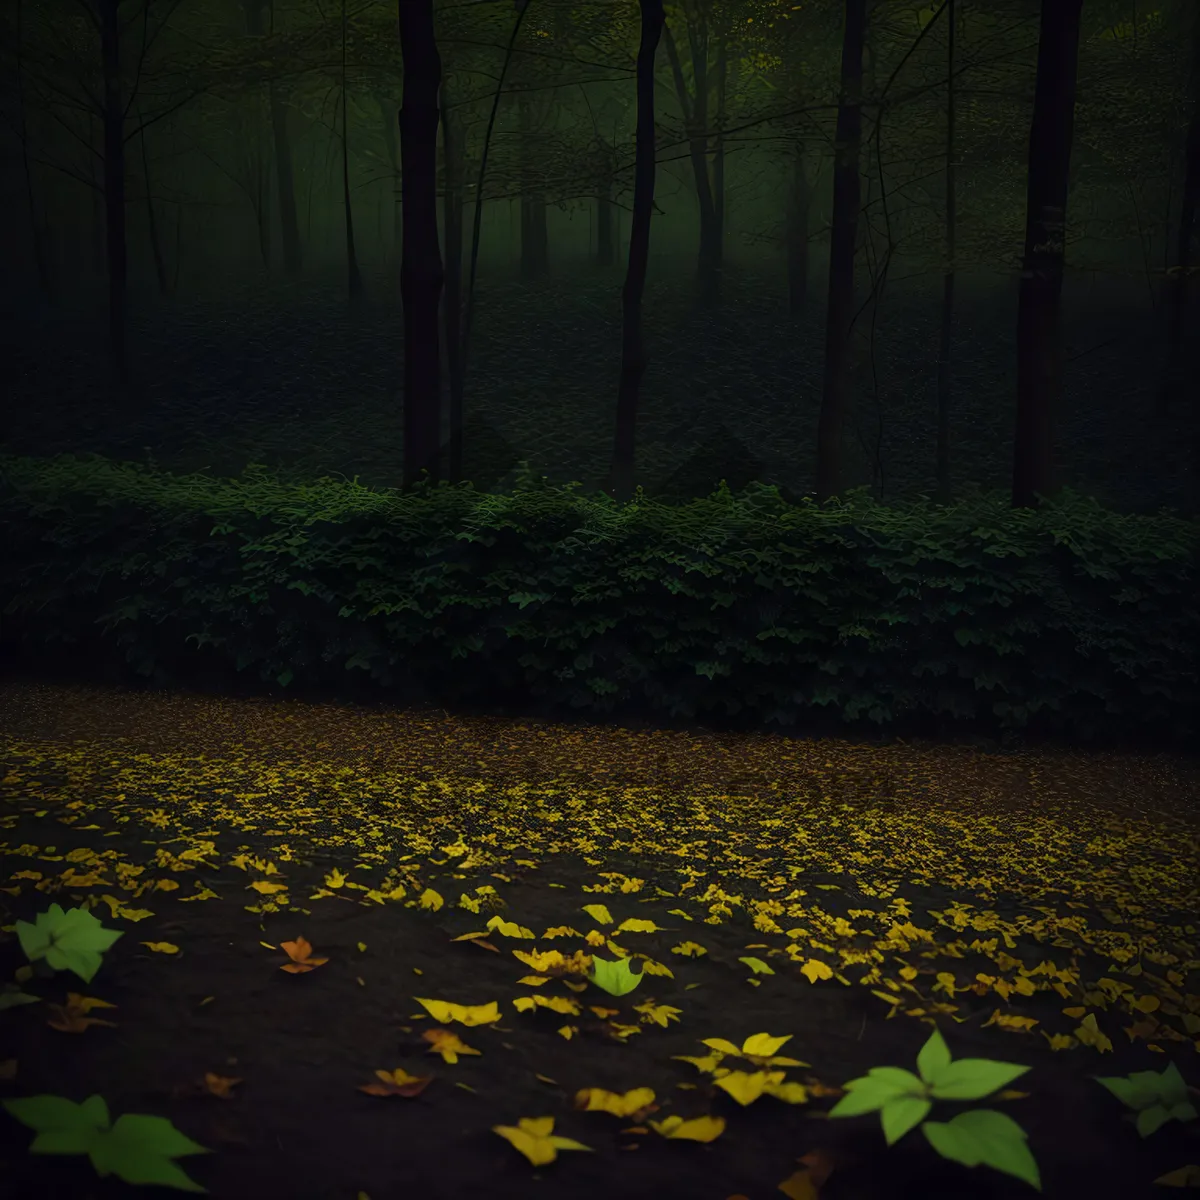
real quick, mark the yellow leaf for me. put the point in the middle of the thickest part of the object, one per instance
(746, 1087)
(161, 947)
(757, 966)
(763, 1045)
(431, 899)
(266, 888)
(335, 879)
(479, 1014)
(814, 969)
(598, 913)
(637, 925)
(533, 1137)
(699, 1129)
(361, 947)
(617, 1103)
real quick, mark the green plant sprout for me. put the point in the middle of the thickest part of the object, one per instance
(971, 1138)
(137, 1148)
(1156, 1097)
(69, 941)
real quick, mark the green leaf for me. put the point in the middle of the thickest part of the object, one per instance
(616, 978)
(1145, 1088)
(985, 1136)
(934, 1057)
(902, 1114)
(134, 1152)
(52, 1113)
(973, 1078)
(11, 996)
(73, 940)
(1150, 1119)
(872, 1092)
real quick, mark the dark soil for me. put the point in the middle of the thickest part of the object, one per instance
(1090, 861)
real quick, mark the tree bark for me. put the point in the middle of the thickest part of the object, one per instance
(943, 377)
(633, 355)
(1179, 276)
(835, 396)
(1039, 334)
(116, 259)
(421, 274)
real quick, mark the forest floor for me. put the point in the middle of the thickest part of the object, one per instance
(762, 877)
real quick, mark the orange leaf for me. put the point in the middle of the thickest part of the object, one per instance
(397, 1083)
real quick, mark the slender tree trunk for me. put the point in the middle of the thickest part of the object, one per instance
(695, 118)
(534, 237)
(389, 133)
(835, 396)
(421, 274)
(1039, 334)
(453, 167)
(156, 251)
(354, 283)
(1179, 276)
(285, 183)
(633, 354)
(797, 233)
(719, 155)
(37, 227)
(114, 191)
(943, 378)
(285, 186)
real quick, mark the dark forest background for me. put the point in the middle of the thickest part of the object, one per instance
(205, 219)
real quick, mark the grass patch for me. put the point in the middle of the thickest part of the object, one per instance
(1036, 908)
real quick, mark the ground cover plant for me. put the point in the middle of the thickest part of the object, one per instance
(278, 948)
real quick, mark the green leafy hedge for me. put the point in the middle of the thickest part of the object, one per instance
(1067, 618)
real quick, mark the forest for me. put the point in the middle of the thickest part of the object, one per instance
(599, 599)
(921, 250)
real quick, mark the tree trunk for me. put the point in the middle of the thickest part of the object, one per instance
(1039, 335)
(534, 239)
(354, 283)
(37, 227)
(453, 169)
(835, 396)
(943, 376)
(421, 274)
(1179, 276)
(719, 154)
(633, 354)
(797, 234)
(114, 190)
(695, 119)
(160, 265)
(286, 189)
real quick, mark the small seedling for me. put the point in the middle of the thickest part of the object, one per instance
(971, 1138)
(69, 941)
(137, 1148)
(1156, 1097)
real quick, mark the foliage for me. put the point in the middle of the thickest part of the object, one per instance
(1065, 619)
(903, 1100)
(136, 1148)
